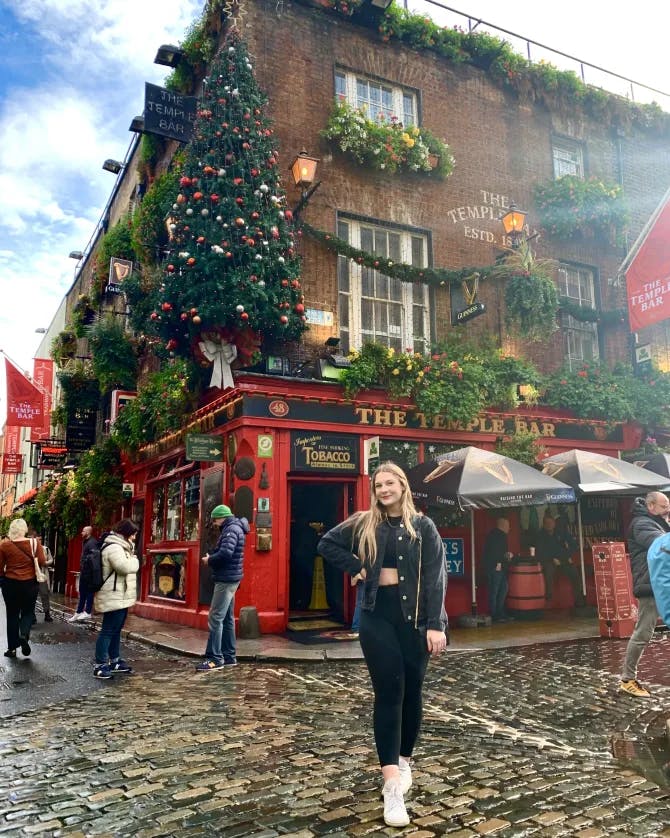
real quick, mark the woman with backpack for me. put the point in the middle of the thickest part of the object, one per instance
(19, 584)
(116, 595)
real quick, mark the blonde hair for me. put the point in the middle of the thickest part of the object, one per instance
(366, 523)
(17, 529)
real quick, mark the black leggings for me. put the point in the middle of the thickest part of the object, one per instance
(397, 657)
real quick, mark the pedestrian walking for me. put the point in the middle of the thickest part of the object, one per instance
(226, 563)
(44, 588)
(658, 559)
(399, 556)
(19, 585)
(649, 521)
(85, 605)
(117, 594)
(496, 558)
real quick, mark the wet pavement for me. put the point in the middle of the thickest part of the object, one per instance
(529, 740)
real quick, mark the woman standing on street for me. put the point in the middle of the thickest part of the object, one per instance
(19, 585)
(117, 595)
(398, 555)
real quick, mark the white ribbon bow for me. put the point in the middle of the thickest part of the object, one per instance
(221, 354)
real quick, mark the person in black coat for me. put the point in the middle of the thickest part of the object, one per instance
(496, 559)
(554, 553)
(649, 521)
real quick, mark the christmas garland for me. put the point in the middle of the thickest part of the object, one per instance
(435, 277)
(586, 314)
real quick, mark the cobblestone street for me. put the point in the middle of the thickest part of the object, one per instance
(515, 742)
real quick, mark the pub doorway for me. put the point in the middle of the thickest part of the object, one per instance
(318, 592)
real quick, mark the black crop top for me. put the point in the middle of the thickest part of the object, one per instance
(394, 542)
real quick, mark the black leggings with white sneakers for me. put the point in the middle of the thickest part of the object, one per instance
(397, 657)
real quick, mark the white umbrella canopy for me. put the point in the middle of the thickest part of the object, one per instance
(590, 473)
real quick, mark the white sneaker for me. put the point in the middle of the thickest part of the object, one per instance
(395, 813)
(405, 775)
(74, 618)
(83, 616)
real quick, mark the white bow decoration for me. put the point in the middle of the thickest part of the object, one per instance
(221, 354)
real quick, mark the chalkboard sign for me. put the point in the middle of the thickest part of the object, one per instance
(168, 113)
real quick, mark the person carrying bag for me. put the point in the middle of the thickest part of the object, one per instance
(20, 563)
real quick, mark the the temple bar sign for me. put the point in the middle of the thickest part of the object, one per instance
(324, 453)
(168, 113)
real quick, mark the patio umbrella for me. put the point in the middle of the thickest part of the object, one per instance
(658, 463)
(472, 478)
(598, 474)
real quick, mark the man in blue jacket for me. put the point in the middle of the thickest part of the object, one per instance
(226, 564)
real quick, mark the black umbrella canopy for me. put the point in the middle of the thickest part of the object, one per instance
(658, 463)
(472, 478)
(591, 473)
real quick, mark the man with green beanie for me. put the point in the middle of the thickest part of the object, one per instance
(226, 564)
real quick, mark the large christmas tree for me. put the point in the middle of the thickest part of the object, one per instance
(231, 280)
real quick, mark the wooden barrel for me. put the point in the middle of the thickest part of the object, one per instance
(526, 589)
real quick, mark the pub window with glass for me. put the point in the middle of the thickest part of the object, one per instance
(175, 509)
(374, 307)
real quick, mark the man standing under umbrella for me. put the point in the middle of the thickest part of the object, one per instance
(650, 520)
(496, 559)
(555, 556)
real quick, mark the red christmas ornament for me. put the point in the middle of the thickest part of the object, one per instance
(170, 269)
(208, 170)
(255, 215)
(153, 315)
(201, 239)
(239, 222)
(185, 181)
(166, 306)
(253, 277)
(246, 146)
(181, 199)
(284, 283)
(246, 115)
(197, 196)
(288, 215)
(244, 316)
(183, 316)
(214, 198)
(239, 201)
(194, 311)
(191, 261)
(299, 308)
(171, 344)
(238, 180)
(229, 255)
(295, 284)
(255, 172)
(283, 319)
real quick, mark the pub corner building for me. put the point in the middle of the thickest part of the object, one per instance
(289, 455)
(288, 452)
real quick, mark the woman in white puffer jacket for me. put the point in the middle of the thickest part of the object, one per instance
(117, 594)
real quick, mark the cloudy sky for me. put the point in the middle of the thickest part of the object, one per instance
(72, 76)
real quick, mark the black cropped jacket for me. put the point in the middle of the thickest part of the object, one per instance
(422, 574)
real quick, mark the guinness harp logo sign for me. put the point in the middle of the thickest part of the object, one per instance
(119, 269)
(470, 286)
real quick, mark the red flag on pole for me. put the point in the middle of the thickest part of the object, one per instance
(11, 458)
(25, 404)
(43, 374)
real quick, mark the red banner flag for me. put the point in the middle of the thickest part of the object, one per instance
(648, 272)
(11, 459)
(25, 407)
(43, 376)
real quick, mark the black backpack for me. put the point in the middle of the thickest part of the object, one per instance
(90, 576)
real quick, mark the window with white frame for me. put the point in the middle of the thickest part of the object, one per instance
(380, 100)
(376, 307)
(577, 285)
(568, 157)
